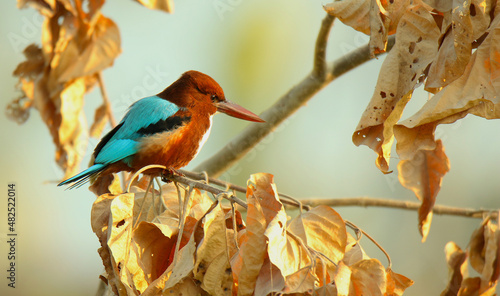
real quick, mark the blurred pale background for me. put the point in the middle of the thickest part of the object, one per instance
(256, 50)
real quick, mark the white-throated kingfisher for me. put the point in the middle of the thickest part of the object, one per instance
(168, 129)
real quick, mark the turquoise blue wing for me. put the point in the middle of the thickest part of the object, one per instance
(116, 150)
(143, 113)
(123, 140)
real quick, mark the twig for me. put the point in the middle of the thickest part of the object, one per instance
(284, 198)
(357, 229)
(308, 203)
(206, 187)
(105, 98)
(399, 204)
(320, 66)
(289, 103)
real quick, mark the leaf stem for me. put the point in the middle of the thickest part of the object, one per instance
(105, 98)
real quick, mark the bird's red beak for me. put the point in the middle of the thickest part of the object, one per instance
(237, 111)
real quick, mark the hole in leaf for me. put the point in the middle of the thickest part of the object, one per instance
(121, 223)
(472, 10)
(411, 48)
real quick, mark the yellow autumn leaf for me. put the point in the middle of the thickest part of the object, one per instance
(212, 267)
(165, 5)
(323, 230)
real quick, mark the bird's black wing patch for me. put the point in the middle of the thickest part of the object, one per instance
(168, 124)
(105, 139)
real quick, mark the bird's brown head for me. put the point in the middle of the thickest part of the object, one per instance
(200, 92)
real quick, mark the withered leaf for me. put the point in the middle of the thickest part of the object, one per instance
(248, 261)
(455, 258)
(92, 55)
(396, 283)
(368, 278)
(416, 46)
(372, 17)
(317, 224)
(455, 49)
(212, 266)
(165, 5)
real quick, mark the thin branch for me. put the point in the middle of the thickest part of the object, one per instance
(398, 204)
(284, 198)
(195, 184)
(105, 98)
(320, 66)
(289, 103)
(308, 203)
(357, 229)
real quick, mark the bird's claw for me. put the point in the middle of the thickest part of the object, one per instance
(167, 173)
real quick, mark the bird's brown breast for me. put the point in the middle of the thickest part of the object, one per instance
(172, 149)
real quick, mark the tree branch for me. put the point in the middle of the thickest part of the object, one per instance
(289, 103)
(308, 203)
(320, 66)
(398, 204)
(206, 187)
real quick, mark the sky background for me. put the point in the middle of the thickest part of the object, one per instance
(256, 50)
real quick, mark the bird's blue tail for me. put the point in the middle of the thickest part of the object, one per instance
(83, 177)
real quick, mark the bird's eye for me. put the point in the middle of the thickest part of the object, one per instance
(214, 98)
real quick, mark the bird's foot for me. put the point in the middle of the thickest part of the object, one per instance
(165, 174)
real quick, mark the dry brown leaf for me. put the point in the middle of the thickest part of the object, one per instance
(457, 265)
(34, 64)
(90, 55)
(248, 261)
(376, 18)
(475, 92)
(329, 289)
(75, 45)
(110, 220)
(302, 281)
(105, 184)
(176, 273)
(185, 287)
(342, 279)
(416, 46)
(354, 13)
(153, 247)
(270, 258)
(353, 252)
(423, 174)
(45, 7)
(212, 266)
(476, 248)
(165, 5)
(484, 257)
(455, 49)
(368, 278)
(464, 22)
(317, 224)
(269, 280)
(396, 283)
(484, 252)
